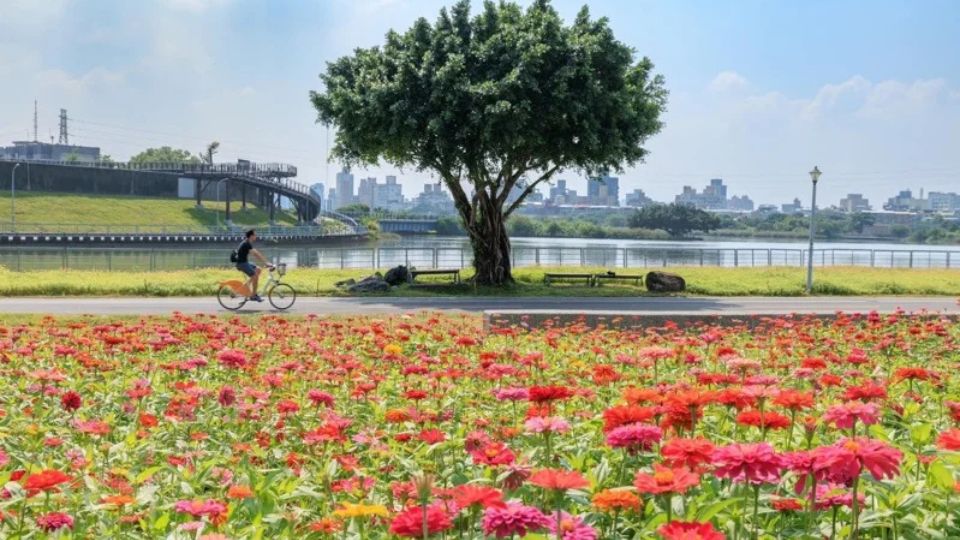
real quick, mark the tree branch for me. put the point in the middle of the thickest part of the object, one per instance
(516, 204)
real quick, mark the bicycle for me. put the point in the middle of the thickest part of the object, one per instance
(234, 294)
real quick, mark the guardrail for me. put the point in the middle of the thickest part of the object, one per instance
(143, 259)
(61, 229)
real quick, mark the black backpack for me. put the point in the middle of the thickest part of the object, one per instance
(234, 256)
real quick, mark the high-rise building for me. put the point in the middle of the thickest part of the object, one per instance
(344, 188)
(714, 197)
(603, 190)
(855, 202)
(332, 202)
(365, 192)
(638, 198)
(318, 190)
(433, 200)
(944, 202)
(388, 196)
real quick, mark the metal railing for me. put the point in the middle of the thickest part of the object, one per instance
(68, 229)
(27, 258)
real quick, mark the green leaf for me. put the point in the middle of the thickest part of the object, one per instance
(938, 475)
(921, 434)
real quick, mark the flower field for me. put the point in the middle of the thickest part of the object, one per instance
(424, 426)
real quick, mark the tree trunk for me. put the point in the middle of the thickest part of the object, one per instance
(491, 246)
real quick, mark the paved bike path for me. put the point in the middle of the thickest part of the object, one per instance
(700, 305)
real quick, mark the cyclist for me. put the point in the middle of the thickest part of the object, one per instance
(244, 265)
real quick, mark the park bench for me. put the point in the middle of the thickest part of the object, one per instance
(453, 272)
(636, 278)
(550, 277)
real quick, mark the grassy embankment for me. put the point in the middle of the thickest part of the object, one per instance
(88, 212)
(701, 281)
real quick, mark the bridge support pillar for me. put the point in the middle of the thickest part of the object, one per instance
(273, 199)
(243, 196)
(198, 187)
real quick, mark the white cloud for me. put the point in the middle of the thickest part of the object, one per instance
(728, 81)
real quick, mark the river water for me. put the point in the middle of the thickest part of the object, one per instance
(454, 252)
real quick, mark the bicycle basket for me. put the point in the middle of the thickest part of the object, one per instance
(281, 269)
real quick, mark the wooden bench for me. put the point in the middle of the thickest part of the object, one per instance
(550, 277)
(454, 272)
(637, 278)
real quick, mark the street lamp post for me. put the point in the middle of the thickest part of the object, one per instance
(13, 200)
(815, 176)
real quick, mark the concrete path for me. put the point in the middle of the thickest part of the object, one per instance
(367, 306)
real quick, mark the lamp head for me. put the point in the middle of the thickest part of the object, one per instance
(815, 174)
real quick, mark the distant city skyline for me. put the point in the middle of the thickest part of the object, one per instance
(782, 86)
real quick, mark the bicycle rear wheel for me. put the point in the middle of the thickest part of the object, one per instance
(282, 296)
(229, 299)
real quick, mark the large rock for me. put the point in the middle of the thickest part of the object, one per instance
(370, 284)
(665, 282)
(397, 275)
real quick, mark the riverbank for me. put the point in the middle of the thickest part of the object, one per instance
(774, 281)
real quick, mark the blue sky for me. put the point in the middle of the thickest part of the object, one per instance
(761, 90)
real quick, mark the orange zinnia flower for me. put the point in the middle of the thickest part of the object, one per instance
(665, 480)
(615, 500)
(558, 479)
(238, 491)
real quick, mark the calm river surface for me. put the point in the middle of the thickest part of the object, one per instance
(432, 251)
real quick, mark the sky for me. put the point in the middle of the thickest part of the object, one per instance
(760, 90)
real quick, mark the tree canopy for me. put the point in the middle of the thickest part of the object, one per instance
(164, 154)
(676, 219)
(486, 102)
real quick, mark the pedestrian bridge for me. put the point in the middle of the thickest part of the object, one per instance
(408, 226)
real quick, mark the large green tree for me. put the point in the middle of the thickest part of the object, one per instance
(488, 101)
(164, 154)
(676, 219)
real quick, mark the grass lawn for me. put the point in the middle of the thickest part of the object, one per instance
(118, 210)
(700, 281)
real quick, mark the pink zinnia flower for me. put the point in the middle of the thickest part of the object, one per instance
(199, 508)
(843, 461)
(54, 520)
(754, 463)
(232, 358)
(511, 394)
(571, 527)
(845, 416)
(513, 519)
(319, 397)
(634, 437)
(551, 424)
(830, 495)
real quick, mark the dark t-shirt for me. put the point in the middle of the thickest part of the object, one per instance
(244, 251)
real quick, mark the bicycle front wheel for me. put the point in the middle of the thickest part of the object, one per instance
(282, 296)
(229, 299)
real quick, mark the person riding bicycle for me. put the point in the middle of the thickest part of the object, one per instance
(244, 265)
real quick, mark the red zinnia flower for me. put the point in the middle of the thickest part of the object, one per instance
(690, 453)
(468, 495)
(665, 480)
(682, 530)
(542, 394)
(622, 415)
(70, 401)
(44, 480)
(763, 419)
(949, 439)
(409, 522)
(559, 479)
(753, 463)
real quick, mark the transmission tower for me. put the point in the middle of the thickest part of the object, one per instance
(64, 135)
